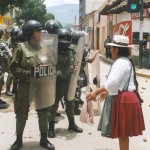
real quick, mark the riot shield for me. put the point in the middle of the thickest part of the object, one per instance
(95, 73)
(77, 64)
(43, 80)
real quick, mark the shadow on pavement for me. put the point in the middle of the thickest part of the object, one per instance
(65, 134)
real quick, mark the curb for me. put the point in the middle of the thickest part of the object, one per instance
(138, 72)
(143, 74)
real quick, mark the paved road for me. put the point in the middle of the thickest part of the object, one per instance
(90, 139)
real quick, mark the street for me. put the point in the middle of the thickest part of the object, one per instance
(90, 139)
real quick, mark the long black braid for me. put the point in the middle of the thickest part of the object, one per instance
(124, 52)
(136, 83)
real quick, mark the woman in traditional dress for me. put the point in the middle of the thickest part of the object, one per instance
(125, 118)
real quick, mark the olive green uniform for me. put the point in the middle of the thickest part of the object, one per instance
(64, 63)
(23, 60)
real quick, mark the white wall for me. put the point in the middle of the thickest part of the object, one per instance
(135, 22)
(121, 17)
(136, 25)
(92, 5)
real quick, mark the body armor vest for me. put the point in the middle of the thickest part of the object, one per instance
(64, 63)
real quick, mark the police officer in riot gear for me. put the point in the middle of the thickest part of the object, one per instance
(65, 60)
(82, 80)
(28, 56)
(5, 55)
(12, 43)
(20, 38)
(52, 28)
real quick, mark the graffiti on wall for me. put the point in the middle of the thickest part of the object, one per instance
(123, 28)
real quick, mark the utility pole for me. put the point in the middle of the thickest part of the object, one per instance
(75, 23)
(93, 25)
(141, 34)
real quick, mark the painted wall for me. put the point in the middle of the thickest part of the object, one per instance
(127, 23)
(103, 32)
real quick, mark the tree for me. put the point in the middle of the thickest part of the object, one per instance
(5, 5)
(34, 10)
(69, 26)
(60, 25)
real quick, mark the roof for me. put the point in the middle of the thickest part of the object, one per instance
(118, 6)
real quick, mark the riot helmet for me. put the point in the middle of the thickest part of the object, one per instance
(1, 32)
(76, 36)
(64, 38)
(29, 27)
(52, 26)
(14, 32)
(20, 37)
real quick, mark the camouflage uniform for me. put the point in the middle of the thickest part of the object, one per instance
(5, 55)
(12, 44)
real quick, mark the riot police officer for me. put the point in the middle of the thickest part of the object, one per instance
(52, 27)
(65, 60)
(20, 38)
(12, 43)
(82, 80)
(29, 56)
(5, 55)
(75, 38)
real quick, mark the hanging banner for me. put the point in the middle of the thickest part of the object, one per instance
(6, 20)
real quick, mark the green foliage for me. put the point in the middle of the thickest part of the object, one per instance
(60, 25)
(5, 5)
(69, 26)
(34, 10)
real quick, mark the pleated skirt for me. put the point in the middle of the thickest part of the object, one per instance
(127, 116)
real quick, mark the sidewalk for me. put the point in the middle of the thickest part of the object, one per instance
(140, 72)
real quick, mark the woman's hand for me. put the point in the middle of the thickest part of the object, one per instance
(102, 96)
(91, 96)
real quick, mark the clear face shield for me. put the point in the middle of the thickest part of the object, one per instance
(63, 43)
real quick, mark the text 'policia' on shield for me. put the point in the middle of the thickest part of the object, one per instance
(43, 71)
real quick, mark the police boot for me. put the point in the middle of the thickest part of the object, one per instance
(74, 127)
(45, 143)
(51, 131)
(76, 108)
(8, 92)
(3, 104)
(18, 143)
